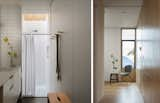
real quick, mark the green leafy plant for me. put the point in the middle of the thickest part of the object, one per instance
(11, 53)
(114, 62)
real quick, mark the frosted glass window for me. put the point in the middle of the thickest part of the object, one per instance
(35, 23)
(128, 34)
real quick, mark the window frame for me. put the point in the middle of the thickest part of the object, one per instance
(122, 47)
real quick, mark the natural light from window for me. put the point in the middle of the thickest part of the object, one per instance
(128, 47)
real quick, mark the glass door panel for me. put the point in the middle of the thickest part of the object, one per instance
(128, 53)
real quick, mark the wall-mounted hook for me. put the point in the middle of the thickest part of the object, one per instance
(60, 32)
(58, 68)
(140, 48)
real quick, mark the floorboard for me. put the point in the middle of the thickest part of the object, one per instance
(122, 93)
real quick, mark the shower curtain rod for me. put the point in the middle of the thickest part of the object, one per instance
(37, 34)
(52, 36)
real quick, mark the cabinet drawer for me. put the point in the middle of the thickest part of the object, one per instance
(7, 91)
(9, 85)
(12, 88)
(17, 85)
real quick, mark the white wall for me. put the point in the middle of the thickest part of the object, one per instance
(10, 21)
(35, 6)
(112, 45)
(73, 18)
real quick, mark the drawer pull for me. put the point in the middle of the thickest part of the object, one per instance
(11, 77)
(11, 87)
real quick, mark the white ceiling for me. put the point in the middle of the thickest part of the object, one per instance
(123, 2)
(122, 13)
(18, 1)
(10, 1)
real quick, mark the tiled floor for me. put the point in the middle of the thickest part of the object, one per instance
(34, 100)
(122, 93)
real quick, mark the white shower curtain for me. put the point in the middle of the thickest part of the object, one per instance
(42, 64)
(36, 65)
(28, 65)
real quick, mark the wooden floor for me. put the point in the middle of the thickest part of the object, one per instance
(121, 93)
(34, 100)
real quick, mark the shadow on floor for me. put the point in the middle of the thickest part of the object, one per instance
(34, 100)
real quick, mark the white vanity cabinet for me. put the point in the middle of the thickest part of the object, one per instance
(12, 88)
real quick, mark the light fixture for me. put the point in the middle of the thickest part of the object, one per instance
(35, 17)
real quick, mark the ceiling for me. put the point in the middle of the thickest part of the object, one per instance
(118, 13)
(19, 1)
(10, 1)
(123, 2)
(122, 13)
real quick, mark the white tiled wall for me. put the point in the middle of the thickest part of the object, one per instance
(10, 20)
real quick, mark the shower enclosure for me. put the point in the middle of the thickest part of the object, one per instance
(37, 66)
(39, 56)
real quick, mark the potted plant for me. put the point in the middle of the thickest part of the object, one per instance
(11, 52)
(114, 62)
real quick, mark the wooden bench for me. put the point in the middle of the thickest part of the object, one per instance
(58, 98)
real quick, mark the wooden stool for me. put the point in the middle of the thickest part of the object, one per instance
(114, 77)
(58, 98)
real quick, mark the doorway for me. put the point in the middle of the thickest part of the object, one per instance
(120, 21)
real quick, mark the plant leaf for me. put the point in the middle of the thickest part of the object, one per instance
(9, 53)
(5, 39)
(15, 54)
